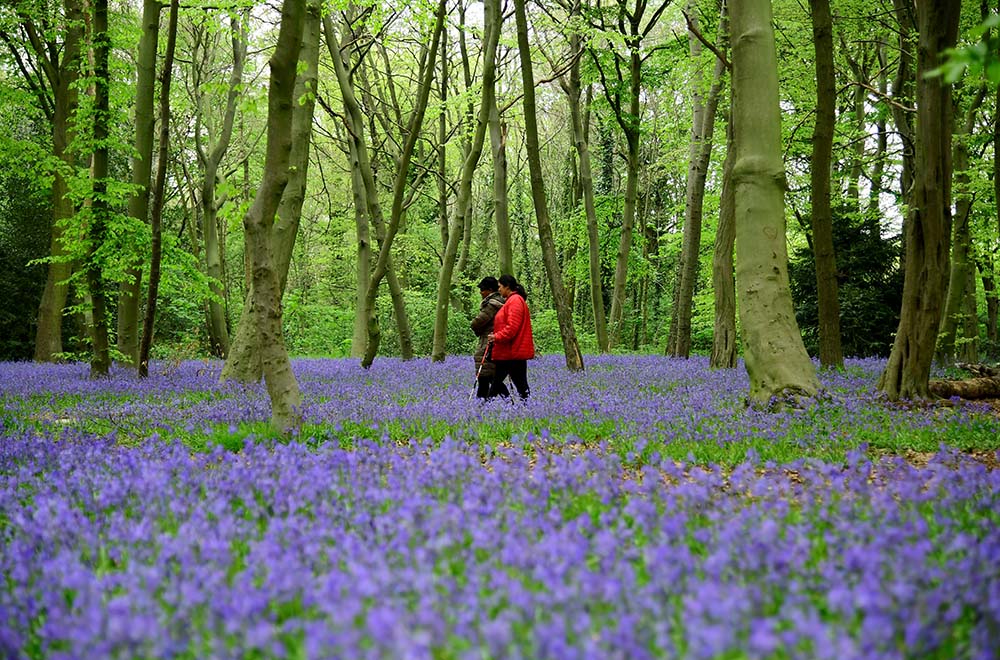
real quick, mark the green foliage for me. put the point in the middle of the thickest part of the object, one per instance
(870, 289)
(980, 59)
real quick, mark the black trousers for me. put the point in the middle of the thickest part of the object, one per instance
(518, 371)
(483, 388)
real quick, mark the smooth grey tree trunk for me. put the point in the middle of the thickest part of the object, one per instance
(928, 230)
(244, 362)
(775, 356)
(573, 89)
(156, 224)
(723, 279)
(699, 157)
(564, 313)
(830, 353)
(501, 206)
(142, 162)
(282, 387)
(463, 204)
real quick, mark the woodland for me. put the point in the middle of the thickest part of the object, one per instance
(180, 182)
(240, 246)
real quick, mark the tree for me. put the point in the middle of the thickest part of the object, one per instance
(633, 24)
(245, 359)
(463, 204)
(564, 313)
(699, 156)
(258, 222)
(830, 353)
(928, 228)
(100, 211)
(156, 223)
(723, 280)
(142, 167)
(776, 359)
(56, 91)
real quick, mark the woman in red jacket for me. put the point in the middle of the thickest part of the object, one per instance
(513, 344)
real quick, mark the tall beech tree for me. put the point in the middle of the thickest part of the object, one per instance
(59, 58)
(246, 359)
(928, 228)
(699, 156)
(100, 209)
(633, 24)
(463, 203)
(564, 313)
(573, 88)
(723, 279)
(212, 139)
(776, 358)
(158, 193)
(830, 353)
(282, 388)
(142, 166)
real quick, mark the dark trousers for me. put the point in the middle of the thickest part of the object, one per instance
(518, 372)
(484, 385)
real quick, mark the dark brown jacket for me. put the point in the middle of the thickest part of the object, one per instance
(482, 325)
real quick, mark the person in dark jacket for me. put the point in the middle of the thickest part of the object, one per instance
(513, 343)
(482, 325)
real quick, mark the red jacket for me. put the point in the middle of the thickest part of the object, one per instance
(512, 331)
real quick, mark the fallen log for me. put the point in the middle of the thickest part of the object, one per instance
(970, 388)
(982, 370)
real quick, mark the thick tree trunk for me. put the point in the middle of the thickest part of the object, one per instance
(903, 95)
(776, 359)
(142, 161)
(244, 360)
(928, 232)
(100, 362)
(564, 313)
(699, 156)
(282, 387)
(463, 204)
(723, 281)
(830, 353)
(62, 75)
(158, 194)
(962, 265)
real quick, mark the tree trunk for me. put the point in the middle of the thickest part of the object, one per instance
(962, 265)
(564, 313)
(776, 358)
(723, 282)
(62, 75)
(217, 322)
(142, 162)
(699, 156)
(873, 213)
(928, 232)
(464, 202)
(360, 336)
(282, 388)
(630, 125)
(100, 362)
(573, 89)
(158, 194)
(244, 361)
(501, 206)
(443, 144)
(903, 94)
(830, 353)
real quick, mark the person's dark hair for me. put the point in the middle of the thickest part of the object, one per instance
(488, 283)
(510, 282)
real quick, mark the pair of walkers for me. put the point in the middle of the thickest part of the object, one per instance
(503, 326)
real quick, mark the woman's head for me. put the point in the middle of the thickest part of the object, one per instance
(509, 285)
